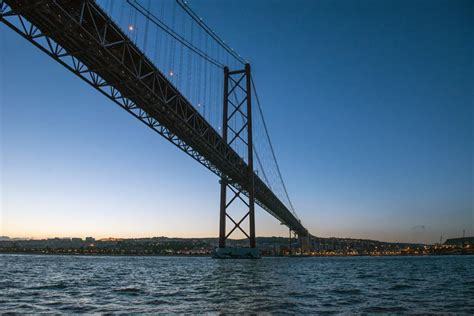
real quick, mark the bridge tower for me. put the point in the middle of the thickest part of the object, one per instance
(239, 104)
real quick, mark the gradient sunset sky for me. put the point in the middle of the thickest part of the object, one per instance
(369, 104)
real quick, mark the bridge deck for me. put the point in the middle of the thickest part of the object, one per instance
(104, 56)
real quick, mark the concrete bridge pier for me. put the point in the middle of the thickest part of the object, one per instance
(305, 244)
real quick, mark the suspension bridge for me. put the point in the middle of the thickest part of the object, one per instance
(164, 65)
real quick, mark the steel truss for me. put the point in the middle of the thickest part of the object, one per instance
(233, 80)
(79, 35)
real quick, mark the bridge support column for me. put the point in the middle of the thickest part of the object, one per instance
(237, 105)
(251, 179)
(223, 182)
(289, 244)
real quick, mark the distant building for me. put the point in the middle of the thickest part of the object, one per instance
(460, 241)
(90, 239)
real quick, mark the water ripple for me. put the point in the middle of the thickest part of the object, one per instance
(76, 284)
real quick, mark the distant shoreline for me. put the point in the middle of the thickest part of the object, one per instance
(197, 247)
(209, 255)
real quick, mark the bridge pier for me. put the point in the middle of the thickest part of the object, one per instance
(305, 244)
(240, 104)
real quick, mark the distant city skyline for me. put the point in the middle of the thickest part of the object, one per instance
(112, 238)
(375, 140)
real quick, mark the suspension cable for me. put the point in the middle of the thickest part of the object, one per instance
(209, 31)
(271, 148)
(172, 33)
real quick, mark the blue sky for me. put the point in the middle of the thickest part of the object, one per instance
(369, 104)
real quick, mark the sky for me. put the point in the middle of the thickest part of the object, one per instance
(369, 105)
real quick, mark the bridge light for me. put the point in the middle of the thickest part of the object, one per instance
(131, 27)
(171, 73)
(199, 104)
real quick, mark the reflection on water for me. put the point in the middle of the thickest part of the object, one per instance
(35, 283)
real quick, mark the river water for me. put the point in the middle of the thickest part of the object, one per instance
(74, 284)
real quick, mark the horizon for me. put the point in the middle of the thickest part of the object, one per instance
(376, 144)
(217, 237)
